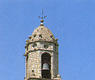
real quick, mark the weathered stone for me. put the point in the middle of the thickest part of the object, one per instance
(42, 41)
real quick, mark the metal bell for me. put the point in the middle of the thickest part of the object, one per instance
(45, 66)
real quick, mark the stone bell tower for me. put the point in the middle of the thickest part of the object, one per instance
(41, 53)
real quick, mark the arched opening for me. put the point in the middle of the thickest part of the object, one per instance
(46, 65)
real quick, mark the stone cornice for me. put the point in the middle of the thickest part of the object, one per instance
(29, 42)
(37, 50)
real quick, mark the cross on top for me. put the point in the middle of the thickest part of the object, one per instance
(42, 17)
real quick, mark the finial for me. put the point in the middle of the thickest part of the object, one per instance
(42, 18)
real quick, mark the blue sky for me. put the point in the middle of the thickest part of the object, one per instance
(71, 21)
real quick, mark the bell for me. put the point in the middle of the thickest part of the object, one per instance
(45, 66)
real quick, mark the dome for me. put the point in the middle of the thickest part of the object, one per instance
(42, 34)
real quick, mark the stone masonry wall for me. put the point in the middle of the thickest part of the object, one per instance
(33, 64)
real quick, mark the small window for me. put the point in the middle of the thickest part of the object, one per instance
(40, 36)
(45, 46)
(34, 35)
(32, 70)
(30, 37)
(34, 45)
(51, 36)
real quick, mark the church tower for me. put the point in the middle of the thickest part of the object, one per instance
(41, 55)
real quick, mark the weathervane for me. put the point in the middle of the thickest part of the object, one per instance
(42, 18)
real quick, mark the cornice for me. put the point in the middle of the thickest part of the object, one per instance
(37, 50)
(30, 42)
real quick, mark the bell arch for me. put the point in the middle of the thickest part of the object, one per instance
(46, 65)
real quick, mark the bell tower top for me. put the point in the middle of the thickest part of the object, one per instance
(41, 53)
(42, 33)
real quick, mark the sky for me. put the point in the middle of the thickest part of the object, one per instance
(71, 21)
